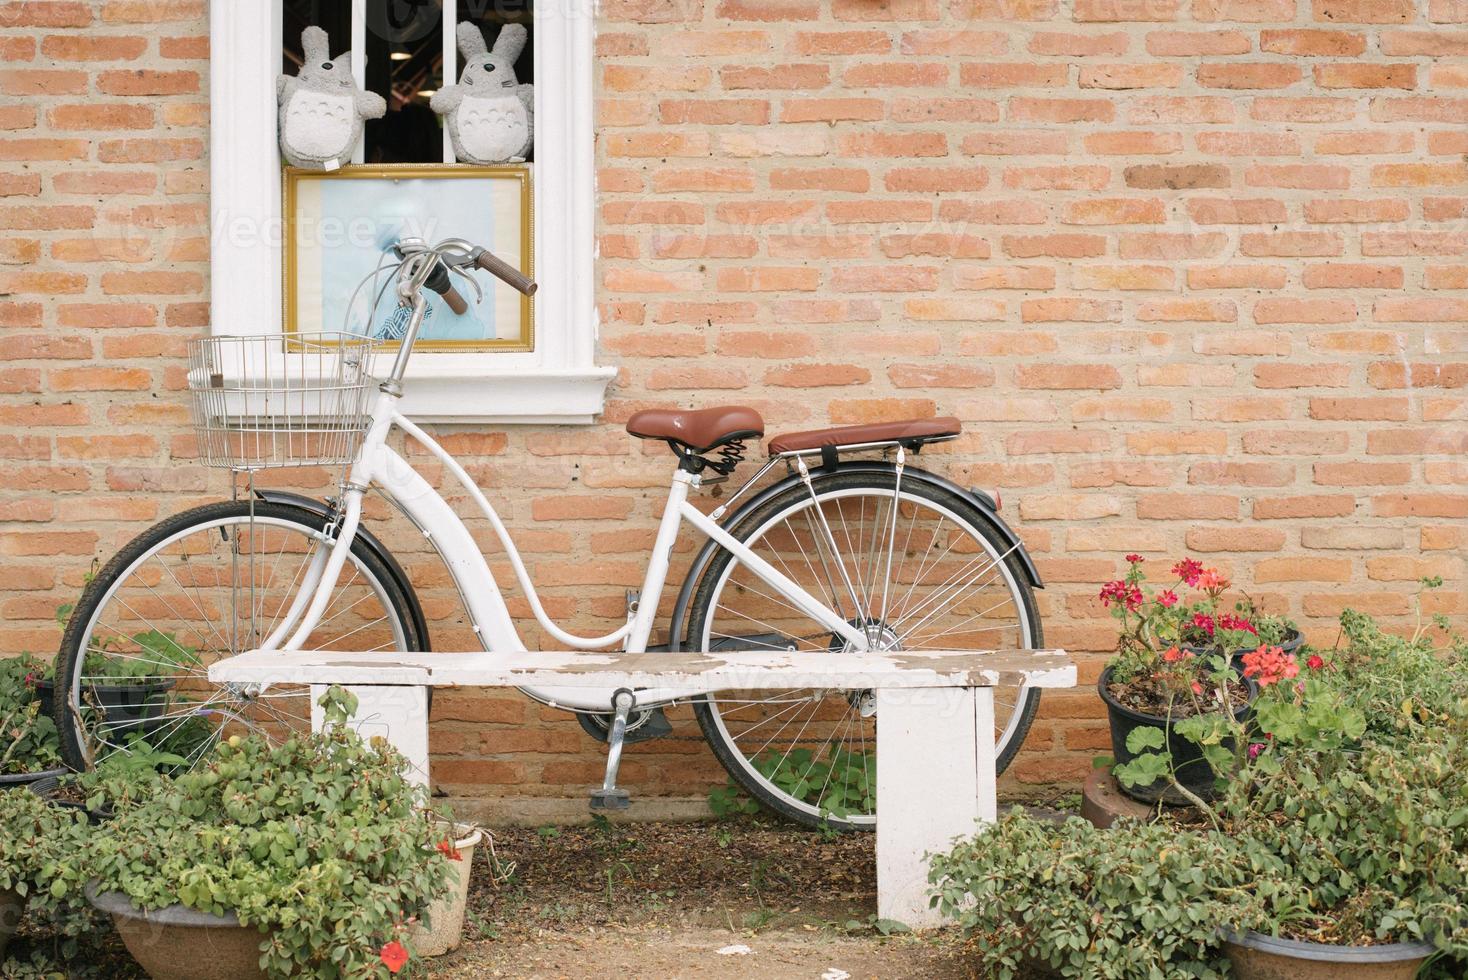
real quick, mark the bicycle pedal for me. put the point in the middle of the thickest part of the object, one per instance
(610, 799)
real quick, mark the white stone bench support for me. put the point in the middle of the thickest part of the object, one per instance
(935, 739)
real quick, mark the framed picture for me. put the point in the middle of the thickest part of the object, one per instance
(340, 226)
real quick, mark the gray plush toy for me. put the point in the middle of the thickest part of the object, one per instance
(321, 108)
(490, 115)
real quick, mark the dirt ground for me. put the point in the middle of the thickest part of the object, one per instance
(724, 899)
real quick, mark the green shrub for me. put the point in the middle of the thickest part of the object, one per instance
(1136, 901)
(28, 741)
(319, 842)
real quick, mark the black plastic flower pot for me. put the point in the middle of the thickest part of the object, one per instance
(49, 789)
(24, 780)
(1291, 644)
(1255, 956)
(129, 708)
(1193, 770)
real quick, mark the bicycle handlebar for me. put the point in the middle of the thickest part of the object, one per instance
(505, 272)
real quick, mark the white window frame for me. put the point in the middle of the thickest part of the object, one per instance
(558, 382)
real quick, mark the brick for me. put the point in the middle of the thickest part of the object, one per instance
(1237, 277)
(1161, 109)
(1037, 110)
(1305, 109)
(1012, 75)
(1176, 177)
(1215, 539)
(1356, 75)
(1112, 11)
(1057, 43)
(147, 82)
(1133, 143)
(1310, 43)
(1302, 570)
(1067, 376)
(1307, 310)
(1236, 211)
(1341, 275)
(1247, 75)
(1189, 44)
(1295, 508)
(1133, 76)
(1362, 11)
(1341, 210)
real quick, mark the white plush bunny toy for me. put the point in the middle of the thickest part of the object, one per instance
(490, 115)
(321, 108)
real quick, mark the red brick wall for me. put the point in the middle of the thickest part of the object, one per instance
(1193, 272)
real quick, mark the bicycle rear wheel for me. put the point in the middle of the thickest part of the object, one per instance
(212, 582)
(918, 568)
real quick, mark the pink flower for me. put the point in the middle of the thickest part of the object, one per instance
(1197, 688)
(1167, 599)
(1134, 559)
(1204, 622)
(1254, 750)
(1315, 662)
(1211, 580)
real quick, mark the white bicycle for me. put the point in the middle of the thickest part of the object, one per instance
(852, 548)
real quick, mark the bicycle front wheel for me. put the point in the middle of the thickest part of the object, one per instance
(212, 582)
(916, 567)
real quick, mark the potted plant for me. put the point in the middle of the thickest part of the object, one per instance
(1360, 796)
(127, 679)
(38, 846)
(29, 748)
(443, 929)
(305, 858)
(1167, 697)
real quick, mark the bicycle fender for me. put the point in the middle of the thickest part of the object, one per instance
(980, 501)
(379, 551)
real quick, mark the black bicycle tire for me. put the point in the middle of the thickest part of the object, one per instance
(73, 752)
(745, 523)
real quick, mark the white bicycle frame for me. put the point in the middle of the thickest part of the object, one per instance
(377, 464)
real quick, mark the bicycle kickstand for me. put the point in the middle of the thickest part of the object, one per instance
(609, 797)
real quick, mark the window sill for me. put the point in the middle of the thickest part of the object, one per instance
(478, 389)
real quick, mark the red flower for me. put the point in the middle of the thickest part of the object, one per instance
(394, 956)
(1172, 655)
(1204, 622)
(1167, 599)
(1315, 662)
(30, 680)
(1123, 593)
(1254, 750)
(1197, 688)
(1188, 570)
(447, 849)
(1270, 665)
(1231, 622)
(1134, 559)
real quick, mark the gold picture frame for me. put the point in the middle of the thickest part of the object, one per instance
(372, 215)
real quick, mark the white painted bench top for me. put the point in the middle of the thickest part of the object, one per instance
(747, 670)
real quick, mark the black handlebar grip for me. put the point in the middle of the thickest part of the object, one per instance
(508, 273)
(456, 302)
(438, 281)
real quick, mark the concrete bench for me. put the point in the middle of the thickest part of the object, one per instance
(935, 737)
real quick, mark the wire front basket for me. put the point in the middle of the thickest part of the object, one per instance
(258, 403)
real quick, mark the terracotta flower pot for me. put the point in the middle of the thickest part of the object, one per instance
(1193, 770)
(445, 928)
(12, 907)
(179, 943)
(1256, 956)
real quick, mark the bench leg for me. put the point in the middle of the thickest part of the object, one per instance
(935, 782)
(398, 714)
